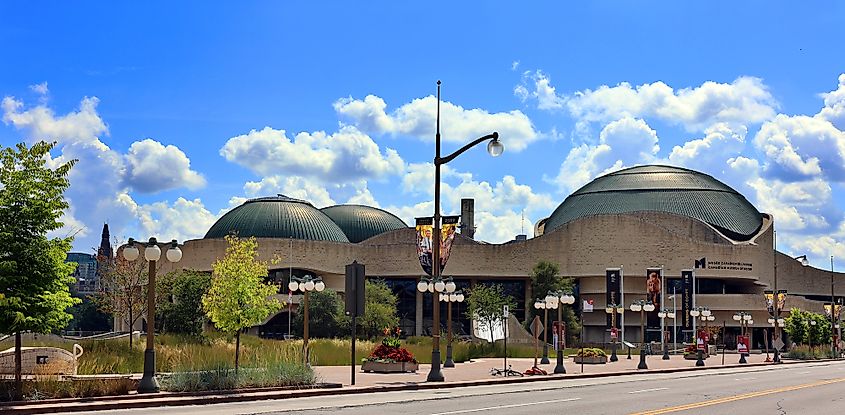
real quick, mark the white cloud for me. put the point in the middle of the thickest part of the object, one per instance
(152, 167)
(418, 118)
(84, 125)
(709, 153)
(745, 100)
(40, 89)
(622, 143)
(802, 147)
(183, 220)
(514, 65)
(834, 105)
(346, 155)
(291, 186)
(542, 90)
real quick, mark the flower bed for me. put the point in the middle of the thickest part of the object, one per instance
(390, 356)
(591, 356)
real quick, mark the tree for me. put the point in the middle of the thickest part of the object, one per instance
(87, 317)
(34, 277)
(485, 304)
(238, 297)
(179, 298)
(123, 289)
(545, 278)
(325, 315)
(379, 309)
(795, 325)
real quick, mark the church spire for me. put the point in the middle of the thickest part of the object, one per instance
(105, 246)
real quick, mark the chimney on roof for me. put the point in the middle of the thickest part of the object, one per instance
(468, 218)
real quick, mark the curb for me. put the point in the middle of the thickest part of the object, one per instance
(201, 398)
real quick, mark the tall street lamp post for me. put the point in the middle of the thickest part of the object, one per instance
(449, 298)
(306, 284)
(152, 253)
(558, 300)
(833, 313)
(613, 309)
(642, 306)
(495, 148)
(664, 314)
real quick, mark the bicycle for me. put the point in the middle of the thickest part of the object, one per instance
(505, 372)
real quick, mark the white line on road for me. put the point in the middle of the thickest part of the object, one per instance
(804, 373)
(466, 411)
(649, 390)
(744, 379)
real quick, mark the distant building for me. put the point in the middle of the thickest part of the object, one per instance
(86, 273)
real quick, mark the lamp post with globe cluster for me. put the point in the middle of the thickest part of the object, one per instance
(306, 284)
(744, 320)
(449, 298)
(556, 300)
(642, 306)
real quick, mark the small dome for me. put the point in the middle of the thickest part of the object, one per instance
(277, 217)
(664, 189)
(360, 222)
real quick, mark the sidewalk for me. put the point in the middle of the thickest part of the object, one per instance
(479, 369)
(474, 373)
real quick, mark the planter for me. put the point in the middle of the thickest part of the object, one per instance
(694, 356)
(391, 367)
(590, 360)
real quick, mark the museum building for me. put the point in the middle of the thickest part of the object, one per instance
(668, 219)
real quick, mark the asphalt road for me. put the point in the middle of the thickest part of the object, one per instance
(813, 388)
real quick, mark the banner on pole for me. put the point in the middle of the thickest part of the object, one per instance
(613, 291)
(770, 295)
(447, 236)
(686, 298)
(424, 244)
(654, 285)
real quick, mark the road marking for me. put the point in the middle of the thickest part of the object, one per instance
(466, 411)
(736, 398)
(744, 379)
(804, 373)
(649, 390)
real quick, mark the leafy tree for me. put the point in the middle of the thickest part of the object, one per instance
(123, 289)
(379, 309)
(545, 278)
(819, 333)
(34, 277)
(87, 317)
(325, 315)
(238, 297)
(179, 301)
(485, 304)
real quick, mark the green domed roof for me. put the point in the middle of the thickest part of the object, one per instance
(664, 189)
(363, 222)
(277, 217)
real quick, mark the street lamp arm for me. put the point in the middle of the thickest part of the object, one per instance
(450, 157)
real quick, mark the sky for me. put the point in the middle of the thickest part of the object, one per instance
(180, 111)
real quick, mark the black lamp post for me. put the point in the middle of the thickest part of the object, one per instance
(613, 309)
(642, 306)
(449, 298)
(664, 314)
(152, 253)
(556, 300)
(744, 320)
(495, 148)
(704, 312)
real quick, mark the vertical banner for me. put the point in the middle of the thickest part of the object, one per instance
(447, 236)
(424, 244)
(686, 298)
(654, 286)
(770, 301)
(613, 292)
(837, 312)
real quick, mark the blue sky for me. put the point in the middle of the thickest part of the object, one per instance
(179, 111)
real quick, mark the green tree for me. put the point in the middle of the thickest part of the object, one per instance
(238, 297)
(180, 301)
(34, 276)
(795, 325)
(485, 303)
(325, 315)
(379, 309)
(818, 334)
(545, 278)
(87, 317)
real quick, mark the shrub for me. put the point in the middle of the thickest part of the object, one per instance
(591, 352)
(54, 389)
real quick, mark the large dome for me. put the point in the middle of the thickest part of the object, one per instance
(277, 217)
(664, 189)
(360, 222)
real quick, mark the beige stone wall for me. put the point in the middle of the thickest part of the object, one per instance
(583, 248)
